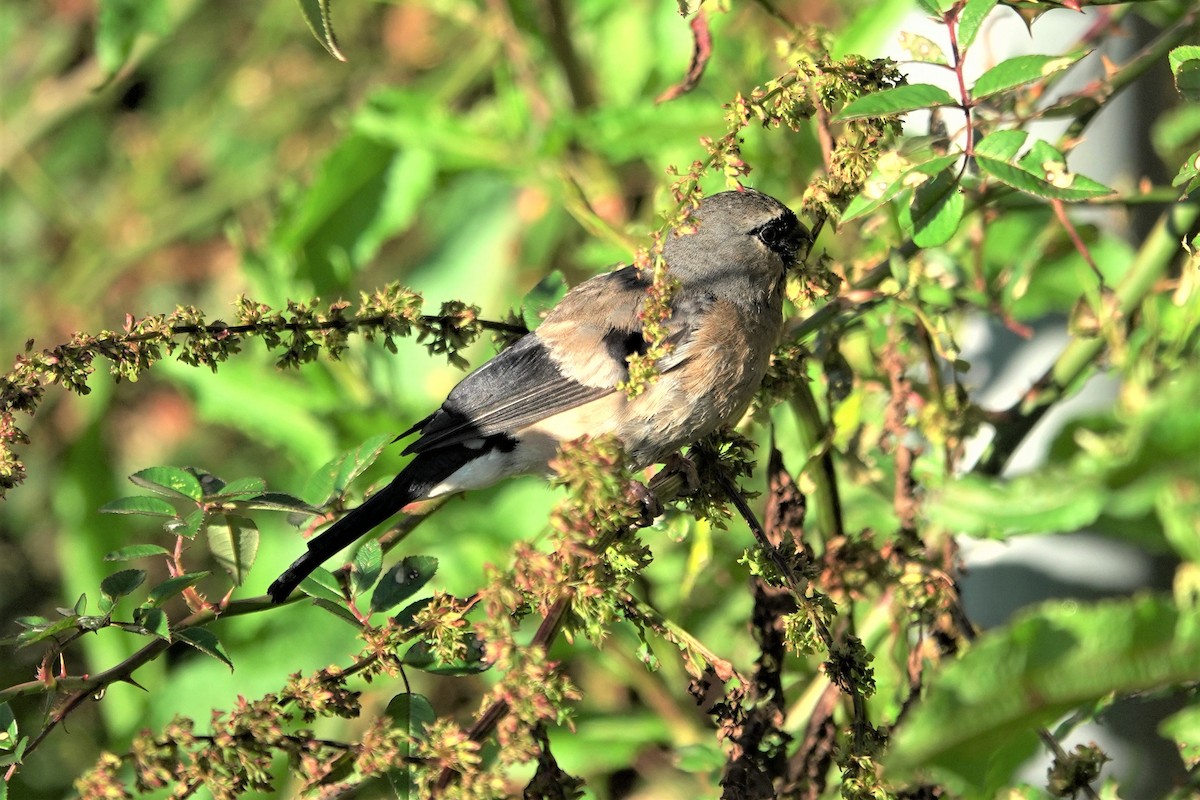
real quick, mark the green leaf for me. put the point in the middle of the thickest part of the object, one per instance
(368, 562)
(1044, 502)
(170, 482)
(136, 551)
(141, 505)
(403, 581)
(233, 541)
(322, 583)
(241, 489)
(1019, 70)
(278, 501)
(970, 20)
(1189, 174)
(8, 728)
(1041, 172)
(171, 587)
(39, 633)
(120, 23)
(921, 48)
(880, 189)
(411, 714)
(333, 478)
(419, 656)
(407, 616)
(316, 14)
(1001, 145)
(206, 642)
(898, 100)
(979, 717)
(543, 297)
(935, 211)
(1185, 66)
(189, 526)
(1184, 727)
(338, 610)
(122, 583)
(154, 621)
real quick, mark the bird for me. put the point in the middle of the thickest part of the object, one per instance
(729, 258)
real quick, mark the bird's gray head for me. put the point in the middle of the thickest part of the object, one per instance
(743, 244)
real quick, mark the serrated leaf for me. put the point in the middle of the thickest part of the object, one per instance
(241, 488)
(173, 586)
(142, 505)
(136, 551)
(368, 563)
(970, 20)
(206, 642)
(1018, 71)
(154, 621)
(42, 632)
(338, 610)
(411, 715)
(187, 527)
(278, 501)
(333, 478)
(898, 100)
(1185, 66)
(170, 482)
(321, 583)
(316, 14)
(10, 758)
(979, 717)
(233, 541)
(122, 583)
(403, 581)
(936, 210)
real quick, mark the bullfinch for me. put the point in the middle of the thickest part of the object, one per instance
(560, 382)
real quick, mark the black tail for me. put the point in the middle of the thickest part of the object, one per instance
(358, 523)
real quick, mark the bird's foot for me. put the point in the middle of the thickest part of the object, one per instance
(648, 503)
(681, 465)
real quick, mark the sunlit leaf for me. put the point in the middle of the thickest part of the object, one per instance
(971, 19)
(936, 210)
(169, 481)
(1019, 70)
(898, 100)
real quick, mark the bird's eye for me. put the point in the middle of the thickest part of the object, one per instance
(782, 235)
